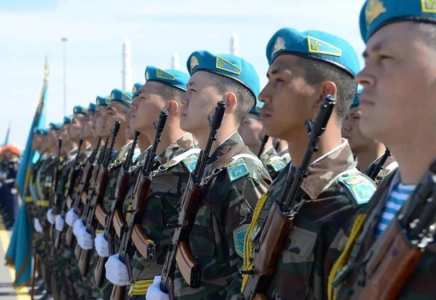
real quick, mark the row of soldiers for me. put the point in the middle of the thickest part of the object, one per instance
(9, 164)
(155, 194)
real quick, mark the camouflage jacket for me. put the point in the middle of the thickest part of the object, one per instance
(162, 206)
(226, 209)
(389, 166)
(272, 162)
(332, 193)
(33, 187)
(63, 183)
(44, 183)
(421, 283)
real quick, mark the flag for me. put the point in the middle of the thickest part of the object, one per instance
(19, 254)
(7, 135)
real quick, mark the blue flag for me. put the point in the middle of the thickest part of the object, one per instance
(19, 254)
(7, 135)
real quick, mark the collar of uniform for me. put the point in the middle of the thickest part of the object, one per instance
(180, 145)
(234, 140)
(269, 152)
(324, 169)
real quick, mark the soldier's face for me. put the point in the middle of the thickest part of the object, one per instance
(130, 134)
(399, 80)
(351, 131)
(115, 111)
(147, 106)
(36, 141)
(87, 126)
(288, 99)
(198, 103)
(99, 122)
(53, 138)
(64, 133)
(251, 130)
(75, 127)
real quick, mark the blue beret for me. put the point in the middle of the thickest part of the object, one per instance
(40, 131)
(377, 13)
(92, 107)
(102, 101)
(255, 110)
(227, 65)
(135, 89)
(171, 77)
(55, 126)
(67, 120)
(80, 110)
(314, 44)
(122, 97)
(356, 100)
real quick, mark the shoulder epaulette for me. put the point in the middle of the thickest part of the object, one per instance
(361, 187)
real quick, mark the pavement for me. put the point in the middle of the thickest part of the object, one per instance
(7, 291)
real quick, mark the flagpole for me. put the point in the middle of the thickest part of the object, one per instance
(64, 41)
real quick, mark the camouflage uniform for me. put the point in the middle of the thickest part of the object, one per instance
(334, 190)
(114, 170)
(67, 272)
(226, 208)
(272, 162)
(389, 166)
(162, 208)
(421, 283)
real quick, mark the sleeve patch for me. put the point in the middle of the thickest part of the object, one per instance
(237, 169)
(360, 187)
(238, 238)
(190, 162)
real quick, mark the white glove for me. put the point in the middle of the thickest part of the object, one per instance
(59, 223)
(37, 225)
(101, 245)
(77, 226)
(50, 217)
(116, 271)
(85, 239)
(154, 292)
(71, 217)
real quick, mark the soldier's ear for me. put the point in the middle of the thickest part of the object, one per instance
(172, 108)
(326, 88)
(231, 101)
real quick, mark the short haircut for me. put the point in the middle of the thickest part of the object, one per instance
(317, 71)
(170, 93)
(426, 32)
(246, 99)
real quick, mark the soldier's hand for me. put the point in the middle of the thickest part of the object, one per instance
(50, 217)
(84, 239)
(59, 223)
(71, 217)
(37, 225)
(101, 245)
(154, 292)
(78, 225)
(116, 271)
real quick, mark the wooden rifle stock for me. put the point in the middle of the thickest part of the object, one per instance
(121, 191)
(190, 204)
(141, 194)
(280, 219)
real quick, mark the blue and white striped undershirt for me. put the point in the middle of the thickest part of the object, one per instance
(396, 199)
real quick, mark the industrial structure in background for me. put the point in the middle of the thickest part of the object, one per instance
(127, 66)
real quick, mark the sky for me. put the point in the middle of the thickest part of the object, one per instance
(31, 31)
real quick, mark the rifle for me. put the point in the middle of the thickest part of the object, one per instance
(98, 196)
(56, 182)
(72, 180)
(142, 193)
(281, 217)
(378, 167)
(394, 257)
(117, 205)
(86, 197)
(262, 145)
(179, 252)
(86, 176)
